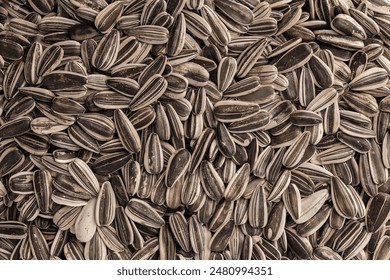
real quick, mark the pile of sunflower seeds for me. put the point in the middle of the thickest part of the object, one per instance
(194, 129)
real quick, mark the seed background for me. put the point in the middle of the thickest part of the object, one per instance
(194, 129)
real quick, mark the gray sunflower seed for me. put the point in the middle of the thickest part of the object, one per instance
(315, 222)
(74, 250)
(197, 25)
(105, 205)
(95, 249)
(82, 139)
(153, 89)
(83, 175)
(258, 208)
(66, 106)
(49, 60)
(311, 204)
(148, 250)
(345, 24)
(13, 230)
(289, 19)
(237, 185)
(229, 111)
(149, 34)
(300, 246)
(11, 50)
(143, 213)
(227, 68)
(107, 17)
(343, 42)
(10, 159)
(195, 74)
(296, 151)
(323, 75)
(211, 182)
(219, 32)
(13, 79)
(238, 12)
(98, 126)
(153, 157)
(323, 100)
(43, 189)
(123, 226)
(60, 80)
(276, 222)
(377, 211)
(197, 235)
(382, 251)
(126, 132)
(294, 58)
(167, 245)
(345, 198)
(176, 39)
(39, 246)
(292, 201)
(200, 149)
(111, 100)
(222, 236)
(85, 224)
(280, 186)
(325, 253)
(249, 56)
(106, 51)
(67, 185)
(367, 23)
(251, 123)
(16, 127)
(110, 163)
(179, 227)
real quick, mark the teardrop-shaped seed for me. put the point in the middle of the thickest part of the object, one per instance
(292, 201)
(143, 213)
(153, 89)
(105, 205)
(10, 159)
(106, 51)
(49, 60)
(294, 58)
(153, 157)
(106, 18)
(211, 182)
(370, 79)
(85, 224)
(276, 222)
(222, 236)
(178, 165)
(39, 246)
(83, 175)
(126, 132)
(179, 228)
(13, 230)
(43, 189)
(311, 204)
(378, 208)
(237, 185)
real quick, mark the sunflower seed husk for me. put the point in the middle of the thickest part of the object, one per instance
(377, 211)
(83, 175)
(177, 166)
(126, 132)
(13, 230)
(143, 213)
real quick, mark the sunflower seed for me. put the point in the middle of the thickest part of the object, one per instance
(143, 213)
(13, 230)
